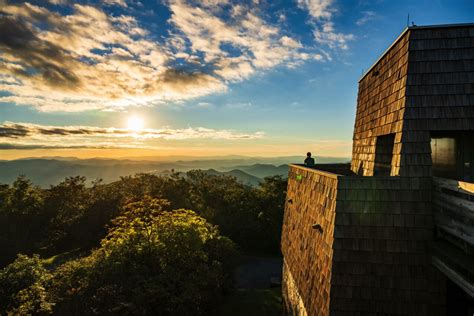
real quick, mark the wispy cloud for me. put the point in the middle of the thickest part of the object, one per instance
(17, 146)
(23, 130)
(87, 60)
(237, 46)
(27, 136)
(120, 3)
(326, 34)
(239, 105)
(366, 17)
(321, 13)
(318, 9)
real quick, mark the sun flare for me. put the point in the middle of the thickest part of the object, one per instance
(135, 123)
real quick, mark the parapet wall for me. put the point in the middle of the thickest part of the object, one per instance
(369, 254)
(381, 259)
(311, 200)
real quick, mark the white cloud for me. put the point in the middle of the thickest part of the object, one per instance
(289, 42)
(321, 12)
(326, 35)
(281, 18)
(89, 60)
(317, 8)
(120, 3)
(255, 44)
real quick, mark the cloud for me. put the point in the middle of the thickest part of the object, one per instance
(239, 105)
(13, 146)
(13, 131)
(86, 59)
(317, 8)
(321, 13)
(204, 105)
(238, 46)
(58, 2)
(366, 17)
(29, 136)
(120, 3)
(326, 34)
(289, 42)
(51, 63)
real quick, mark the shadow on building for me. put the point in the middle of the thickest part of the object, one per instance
(393, 232)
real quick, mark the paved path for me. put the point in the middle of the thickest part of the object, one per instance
(258, 272)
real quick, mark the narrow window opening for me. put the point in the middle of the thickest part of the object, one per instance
(384, 155)
(452, 155)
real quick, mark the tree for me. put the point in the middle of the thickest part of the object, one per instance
(22, 287)
(21, 220)
(152, 260)
(65, 204)
(271, 198)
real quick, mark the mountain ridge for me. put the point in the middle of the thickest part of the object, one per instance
(48, 171)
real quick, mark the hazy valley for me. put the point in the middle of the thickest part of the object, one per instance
(52, 170)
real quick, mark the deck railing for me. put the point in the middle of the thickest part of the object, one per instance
(453, 207)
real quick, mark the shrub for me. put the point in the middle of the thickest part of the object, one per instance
(22, 287)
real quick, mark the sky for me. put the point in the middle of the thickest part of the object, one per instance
(125, 78)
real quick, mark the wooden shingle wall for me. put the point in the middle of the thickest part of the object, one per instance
(381, 262)
(380, 108)
(423, 83)
(307, 249)
(439, 91)
(370, 254)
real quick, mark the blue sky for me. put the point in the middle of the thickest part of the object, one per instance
(213, 77)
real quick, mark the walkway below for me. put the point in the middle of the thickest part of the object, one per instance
(255, 272)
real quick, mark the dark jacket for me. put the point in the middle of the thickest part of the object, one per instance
(309, 162)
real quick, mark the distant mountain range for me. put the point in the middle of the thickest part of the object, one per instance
(264, 170)
(240, 175)
(52, 170)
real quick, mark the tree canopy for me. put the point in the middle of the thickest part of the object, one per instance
(148, 244)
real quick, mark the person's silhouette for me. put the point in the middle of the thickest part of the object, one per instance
(309, 162)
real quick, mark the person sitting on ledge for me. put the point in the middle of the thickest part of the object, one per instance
(309, 162)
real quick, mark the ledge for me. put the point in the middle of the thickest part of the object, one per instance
(316, 170)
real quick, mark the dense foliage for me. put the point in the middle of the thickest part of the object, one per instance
(151, 261)
(143, 250)
(22, 287)
(71, 215)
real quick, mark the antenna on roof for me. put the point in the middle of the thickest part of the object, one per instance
(408, 20)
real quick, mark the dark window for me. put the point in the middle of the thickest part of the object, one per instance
(452, 155)
(383, 155)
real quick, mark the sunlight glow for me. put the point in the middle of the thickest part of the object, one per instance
(135, 123)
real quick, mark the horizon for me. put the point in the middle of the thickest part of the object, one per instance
(177, 78)
(179, 157)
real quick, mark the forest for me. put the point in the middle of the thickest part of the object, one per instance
(146, 244)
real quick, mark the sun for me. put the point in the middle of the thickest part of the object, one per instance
(135, 123)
